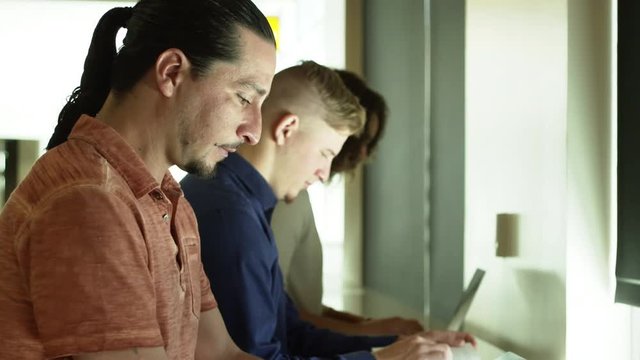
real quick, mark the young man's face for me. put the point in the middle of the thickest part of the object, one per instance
(308, 157)
(222, 109)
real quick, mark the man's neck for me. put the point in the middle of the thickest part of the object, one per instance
(140, 130)
(262, 159)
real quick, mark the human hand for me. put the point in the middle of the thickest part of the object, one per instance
(415, 347)
(452, 338)
(391, 326)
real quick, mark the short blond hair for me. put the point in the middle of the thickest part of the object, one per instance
(341, 109)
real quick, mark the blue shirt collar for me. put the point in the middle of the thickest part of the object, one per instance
(252, 181)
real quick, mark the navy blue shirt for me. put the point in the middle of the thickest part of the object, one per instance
(240, 258)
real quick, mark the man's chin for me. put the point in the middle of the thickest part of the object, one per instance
(289, 198)
(201, 170)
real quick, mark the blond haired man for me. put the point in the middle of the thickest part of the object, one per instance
(306, 120)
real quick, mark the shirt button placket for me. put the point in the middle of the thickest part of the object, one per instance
(159, 197)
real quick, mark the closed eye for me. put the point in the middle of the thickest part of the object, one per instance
(328, 154)
(243, 100)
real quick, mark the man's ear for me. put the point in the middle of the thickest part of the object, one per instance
(171, 68)
(285, 127)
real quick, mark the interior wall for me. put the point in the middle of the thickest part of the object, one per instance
(396, 182)
(447, 151)
(309, 30)
(527, 64)
(516, 151)
(353, 186)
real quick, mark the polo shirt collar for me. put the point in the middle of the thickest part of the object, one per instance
(108, 142)
(252, 180)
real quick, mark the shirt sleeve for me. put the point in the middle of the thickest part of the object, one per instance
(304, 338)
(86, 265)
(241, 277)
(208, 301)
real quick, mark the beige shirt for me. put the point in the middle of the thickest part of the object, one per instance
(300, 252)
(95, 255)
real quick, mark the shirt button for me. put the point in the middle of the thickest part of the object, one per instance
(165, 217)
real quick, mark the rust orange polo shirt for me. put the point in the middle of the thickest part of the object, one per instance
(95, 255)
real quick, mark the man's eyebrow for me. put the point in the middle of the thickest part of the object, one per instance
(257, 88)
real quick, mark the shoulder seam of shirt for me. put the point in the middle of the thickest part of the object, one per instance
(30, 212)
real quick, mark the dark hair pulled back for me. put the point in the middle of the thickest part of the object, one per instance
(205, 30)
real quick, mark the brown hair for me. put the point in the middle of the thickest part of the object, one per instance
(376, 110)
(343, 110)
(310, 88)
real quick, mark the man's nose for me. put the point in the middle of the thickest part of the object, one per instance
(250, 130)
(323, 173)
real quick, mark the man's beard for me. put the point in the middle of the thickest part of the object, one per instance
(200, 169)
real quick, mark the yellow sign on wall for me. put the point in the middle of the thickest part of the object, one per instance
(274, 21)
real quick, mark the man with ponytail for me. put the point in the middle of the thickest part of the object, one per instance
(99, 250)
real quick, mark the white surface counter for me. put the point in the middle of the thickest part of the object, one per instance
(373, 304)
